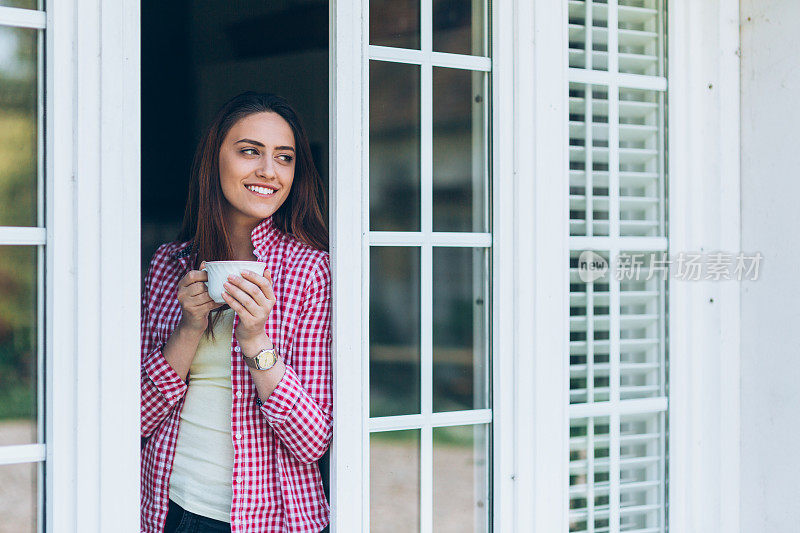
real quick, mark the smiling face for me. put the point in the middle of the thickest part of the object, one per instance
(256, 167)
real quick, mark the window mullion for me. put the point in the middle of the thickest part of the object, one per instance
(22, 453)
(10, 235)
(426, 270)
(23, 18)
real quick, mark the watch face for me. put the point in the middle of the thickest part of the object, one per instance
(266, 358)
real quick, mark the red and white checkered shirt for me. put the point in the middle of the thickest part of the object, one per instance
(276, 481)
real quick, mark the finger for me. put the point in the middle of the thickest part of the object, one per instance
(235, 305)
(243, 297)
(195, 289)
(271, 292)
(200, 301)
(194, 276)
(263, 282)
(262, 285)
(253, 290)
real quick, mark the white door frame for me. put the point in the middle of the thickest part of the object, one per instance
(93, 263)
(346, 76)
(92, 221)
(704, 215)
(541, 266)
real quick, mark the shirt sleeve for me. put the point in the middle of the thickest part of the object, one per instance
(162, 387)
(300, 409)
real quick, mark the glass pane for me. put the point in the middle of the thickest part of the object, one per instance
(460, 364)
(18, 345)
(459, 151)
(24, 4)
(394, 330)
(394, 146)
(589, 328)
(588, 160)
(589, 479)
(394, 499)
(460, 479)
(588, 41)
(19, 498)
(641, 163)
(394, 23)
(642, 475)
(458, 27)
(642, 345)
(18, 126)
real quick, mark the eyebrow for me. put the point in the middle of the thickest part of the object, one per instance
(251, 141)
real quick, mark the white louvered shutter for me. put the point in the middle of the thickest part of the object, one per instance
(617, 185)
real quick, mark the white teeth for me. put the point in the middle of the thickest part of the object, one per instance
(260, 190)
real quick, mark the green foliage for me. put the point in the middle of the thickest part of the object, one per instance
(18, 169)
(18, 193)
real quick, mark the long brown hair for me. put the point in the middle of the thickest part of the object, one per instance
(301, 215)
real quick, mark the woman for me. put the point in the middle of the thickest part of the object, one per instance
(232, 446)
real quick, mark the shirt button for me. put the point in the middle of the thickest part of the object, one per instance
(238, 394)
(237, 349)
(238, 436)
(238, 480)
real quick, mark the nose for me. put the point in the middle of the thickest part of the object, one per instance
(267, 168)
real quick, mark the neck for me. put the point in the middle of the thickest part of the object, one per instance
(240, 231)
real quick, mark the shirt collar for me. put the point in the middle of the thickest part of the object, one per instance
(264, 236)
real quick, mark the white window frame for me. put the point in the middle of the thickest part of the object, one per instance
(349, 232)
(704, 215)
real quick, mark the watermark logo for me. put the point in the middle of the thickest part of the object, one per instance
(682, 266)
(591, 266)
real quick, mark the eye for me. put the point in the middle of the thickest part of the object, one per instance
(249, 151)
(288, 157)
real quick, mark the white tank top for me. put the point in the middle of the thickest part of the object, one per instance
(201, 472)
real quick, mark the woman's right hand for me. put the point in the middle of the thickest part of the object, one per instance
(195, 301)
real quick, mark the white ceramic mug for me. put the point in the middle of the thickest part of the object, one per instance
(218, 272)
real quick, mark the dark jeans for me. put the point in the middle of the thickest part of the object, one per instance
(179, 520)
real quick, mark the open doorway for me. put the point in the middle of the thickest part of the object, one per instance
(195, 56)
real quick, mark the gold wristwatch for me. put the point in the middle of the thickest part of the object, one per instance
(263, 360)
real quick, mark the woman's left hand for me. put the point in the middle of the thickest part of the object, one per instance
(252, 298)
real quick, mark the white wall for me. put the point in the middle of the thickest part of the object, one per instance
(770, 307)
